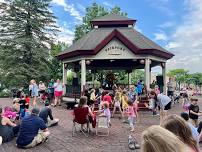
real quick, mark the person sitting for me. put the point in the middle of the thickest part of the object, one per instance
(195, 134)
(29, 134)
(83, 104)
(47, 112)
(9, 113)
(8, 129)
(158, 139)
(180, 128)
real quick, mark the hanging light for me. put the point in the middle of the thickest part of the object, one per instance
(87, 62)
(142, 61)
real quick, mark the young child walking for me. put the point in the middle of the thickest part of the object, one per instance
(27, 100)
(185, 103)
(117, 103)
(194, 111)
(124, 102)
(106, 112)
(132, 114)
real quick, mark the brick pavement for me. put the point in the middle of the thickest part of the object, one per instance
(61, 139)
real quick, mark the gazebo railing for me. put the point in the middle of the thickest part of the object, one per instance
(72, 91)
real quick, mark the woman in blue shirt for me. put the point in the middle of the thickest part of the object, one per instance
(35, 92)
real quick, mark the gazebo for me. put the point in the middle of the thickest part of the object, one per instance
(113, 43)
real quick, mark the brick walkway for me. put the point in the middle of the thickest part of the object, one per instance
(61, 139)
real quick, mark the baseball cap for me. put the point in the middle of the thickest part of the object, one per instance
(35, 111)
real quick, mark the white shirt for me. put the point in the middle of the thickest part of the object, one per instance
(58, 86)
(162, 100)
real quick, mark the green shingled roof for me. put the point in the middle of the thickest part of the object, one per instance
(95, 37)
(112, 17)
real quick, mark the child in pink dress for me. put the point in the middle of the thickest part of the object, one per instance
(132, 114)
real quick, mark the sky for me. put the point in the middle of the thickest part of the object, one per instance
(176, 25)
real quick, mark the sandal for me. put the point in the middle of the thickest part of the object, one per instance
(131, 143)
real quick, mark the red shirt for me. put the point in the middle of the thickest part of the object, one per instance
(107, 98)
(27, 100)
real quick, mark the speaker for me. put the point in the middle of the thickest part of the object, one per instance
(159, 80)
(75, 82)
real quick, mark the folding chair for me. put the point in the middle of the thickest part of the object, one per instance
(80, 117)
(102, 123)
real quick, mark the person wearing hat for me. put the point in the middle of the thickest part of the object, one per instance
(46, 115)
(29, 133)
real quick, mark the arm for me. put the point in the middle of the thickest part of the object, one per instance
(198, 114)
(7, 121)
(90, 112)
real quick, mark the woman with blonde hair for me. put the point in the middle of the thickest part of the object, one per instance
(35, 92)
(181, 129)
(158, 139)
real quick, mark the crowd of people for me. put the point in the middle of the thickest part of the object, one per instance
(30, 126)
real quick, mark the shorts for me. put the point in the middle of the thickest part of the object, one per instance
(58, 93)
(40, 138)
(117, 104)
(168, 106)
(170, 93)
(42, 91)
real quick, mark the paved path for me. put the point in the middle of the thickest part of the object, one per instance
(61, 139)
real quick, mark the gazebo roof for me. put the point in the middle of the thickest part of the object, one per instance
(112, 20)
(112, 17)
(98, 38)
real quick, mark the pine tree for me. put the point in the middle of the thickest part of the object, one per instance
(26, 31)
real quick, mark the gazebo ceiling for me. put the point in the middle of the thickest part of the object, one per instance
(98, 38)
(121, 64)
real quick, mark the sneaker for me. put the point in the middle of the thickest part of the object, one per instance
(1, 140)
(132, 130)
(131, 143)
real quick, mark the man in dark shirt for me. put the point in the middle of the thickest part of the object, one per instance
(29, 135)
(46, 115)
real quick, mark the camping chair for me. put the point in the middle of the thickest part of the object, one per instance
(102, 123)
(80, 117)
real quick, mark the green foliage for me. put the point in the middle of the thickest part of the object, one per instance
(179, 74)
(195, 78)
(26, 29)
(137, 75)
(183, 76)
(92, 12)
(55, 64)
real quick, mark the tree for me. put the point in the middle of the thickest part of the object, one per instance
(196, 78)
(180, 75)
(137, 75)
(92, 12)
(26, 29)
(55, 64)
